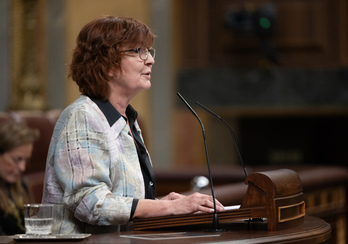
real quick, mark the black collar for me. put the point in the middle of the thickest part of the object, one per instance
(111, 114)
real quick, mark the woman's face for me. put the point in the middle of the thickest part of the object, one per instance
(13, 163)
(135, 74)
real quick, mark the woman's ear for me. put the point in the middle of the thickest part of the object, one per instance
(111, 74)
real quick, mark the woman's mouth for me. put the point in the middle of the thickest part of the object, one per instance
(147, 74)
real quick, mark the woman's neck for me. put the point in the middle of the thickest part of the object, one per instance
(120, 104)
(119, 98)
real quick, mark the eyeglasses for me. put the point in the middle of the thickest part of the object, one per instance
(17, 159)
(143, 52)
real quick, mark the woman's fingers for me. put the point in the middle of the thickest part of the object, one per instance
(209, 206)
(197, 202)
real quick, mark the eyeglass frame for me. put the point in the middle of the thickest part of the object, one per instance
(16, 160)
(148, 50)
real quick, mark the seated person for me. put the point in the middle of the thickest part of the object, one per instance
(16, 146)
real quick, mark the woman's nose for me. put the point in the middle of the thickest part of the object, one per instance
(150, 59)
(22, 165)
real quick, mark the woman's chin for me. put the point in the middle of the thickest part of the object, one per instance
(12, 179)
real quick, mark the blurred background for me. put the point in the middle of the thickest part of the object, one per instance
(276, 71)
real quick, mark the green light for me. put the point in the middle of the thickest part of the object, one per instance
(264, 23)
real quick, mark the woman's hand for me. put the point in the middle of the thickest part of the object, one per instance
(172, 196)
(175, 203)
(194, 203)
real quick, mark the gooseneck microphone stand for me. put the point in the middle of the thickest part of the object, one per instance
(215, 226)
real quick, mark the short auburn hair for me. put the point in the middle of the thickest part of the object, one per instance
(98, 51)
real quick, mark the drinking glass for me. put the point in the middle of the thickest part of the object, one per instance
(38, 218)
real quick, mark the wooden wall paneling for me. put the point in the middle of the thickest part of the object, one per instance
(343, 30)
(195, 32)
(303, 35)
(301, 25)
(309, 33)
(323, 34)
(232, 47)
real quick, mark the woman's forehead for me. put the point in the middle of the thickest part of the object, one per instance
(137, 45)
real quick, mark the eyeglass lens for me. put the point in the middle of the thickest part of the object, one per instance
(144, 52)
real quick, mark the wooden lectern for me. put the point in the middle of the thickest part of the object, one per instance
(274, 195)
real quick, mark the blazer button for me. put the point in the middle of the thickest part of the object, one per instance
(151, 183)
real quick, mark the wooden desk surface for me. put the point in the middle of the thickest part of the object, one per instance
(314, 230)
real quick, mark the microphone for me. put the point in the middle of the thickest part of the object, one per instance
(232, 133)
(235, 143)
(215, 226)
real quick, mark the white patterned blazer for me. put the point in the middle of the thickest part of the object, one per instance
(93, 172)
